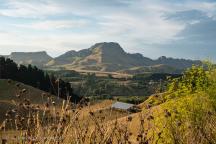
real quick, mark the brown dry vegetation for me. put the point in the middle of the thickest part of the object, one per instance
(184, 114)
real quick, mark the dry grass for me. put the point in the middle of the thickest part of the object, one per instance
(190, 119)
(11, 90)
(27, 122)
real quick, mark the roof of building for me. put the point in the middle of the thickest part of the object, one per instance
(121, 105)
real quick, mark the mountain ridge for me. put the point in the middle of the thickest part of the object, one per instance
(110, 56)
(104, 56)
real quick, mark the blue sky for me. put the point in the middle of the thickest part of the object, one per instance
(174, 28)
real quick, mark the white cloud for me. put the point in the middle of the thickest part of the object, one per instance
(136, 25)
(54, 24)
(54, 44)
(30, 9)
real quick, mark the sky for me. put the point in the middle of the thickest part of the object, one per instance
(154, 28)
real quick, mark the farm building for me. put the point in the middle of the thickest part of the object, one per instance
(124, 106)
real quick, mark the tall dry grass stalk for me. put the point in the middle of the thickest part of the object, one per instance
(50, 123)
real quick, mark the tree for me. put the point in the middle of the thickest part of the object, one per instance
(35, 77)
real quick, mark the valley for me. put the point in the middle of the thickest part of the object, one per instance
(107, 72)
(82, 97)
(162, 117)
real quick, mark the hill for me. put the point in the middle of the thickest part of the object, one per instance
(103, 57)
(110, 57)
(100, 57)
(35, 77)
(188, 119)
(69, 57)
(33, 58)
(183, 114)
(177, 63)
(10, 91)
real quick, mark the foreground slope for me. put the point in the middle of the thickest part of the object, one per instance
(10, 91)
(184, 114)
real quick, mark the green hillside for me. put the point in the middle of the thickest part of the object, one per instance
(186, 113)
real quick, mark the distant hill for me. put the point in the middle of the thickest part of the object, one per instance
(103, 57)
(110, 57)
(33, 58)
(177, 63)
(69, 57)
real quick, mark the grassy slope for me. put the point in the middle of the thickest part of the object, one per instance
(8, 93)
(189, 117)
(185, 119)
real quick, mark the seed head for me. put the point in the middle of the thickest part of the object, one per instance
(24, 90)
(43, 94)
(27, 102)
(209, 113)
(22, 119)
(148, 106)
(91, 113)
(2, 127)
(14, 110)
(142, 121)
(17, 85)
(8, 113)
(139, 136)
(6, 120)
(130, 118)
(167, 113)
(9, 81)
(53, 103)
(150, 117)
(178, 123)
(57, 81)
(103, 117)
(47, 105)
(18, 95)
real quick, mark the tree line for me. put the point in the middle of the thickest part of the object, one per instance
(37, 78)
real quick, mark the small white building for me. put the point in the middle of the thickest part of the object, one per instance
(122, 106)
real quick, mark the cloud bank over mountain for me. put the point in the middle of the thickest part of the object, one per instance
(154, 28)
